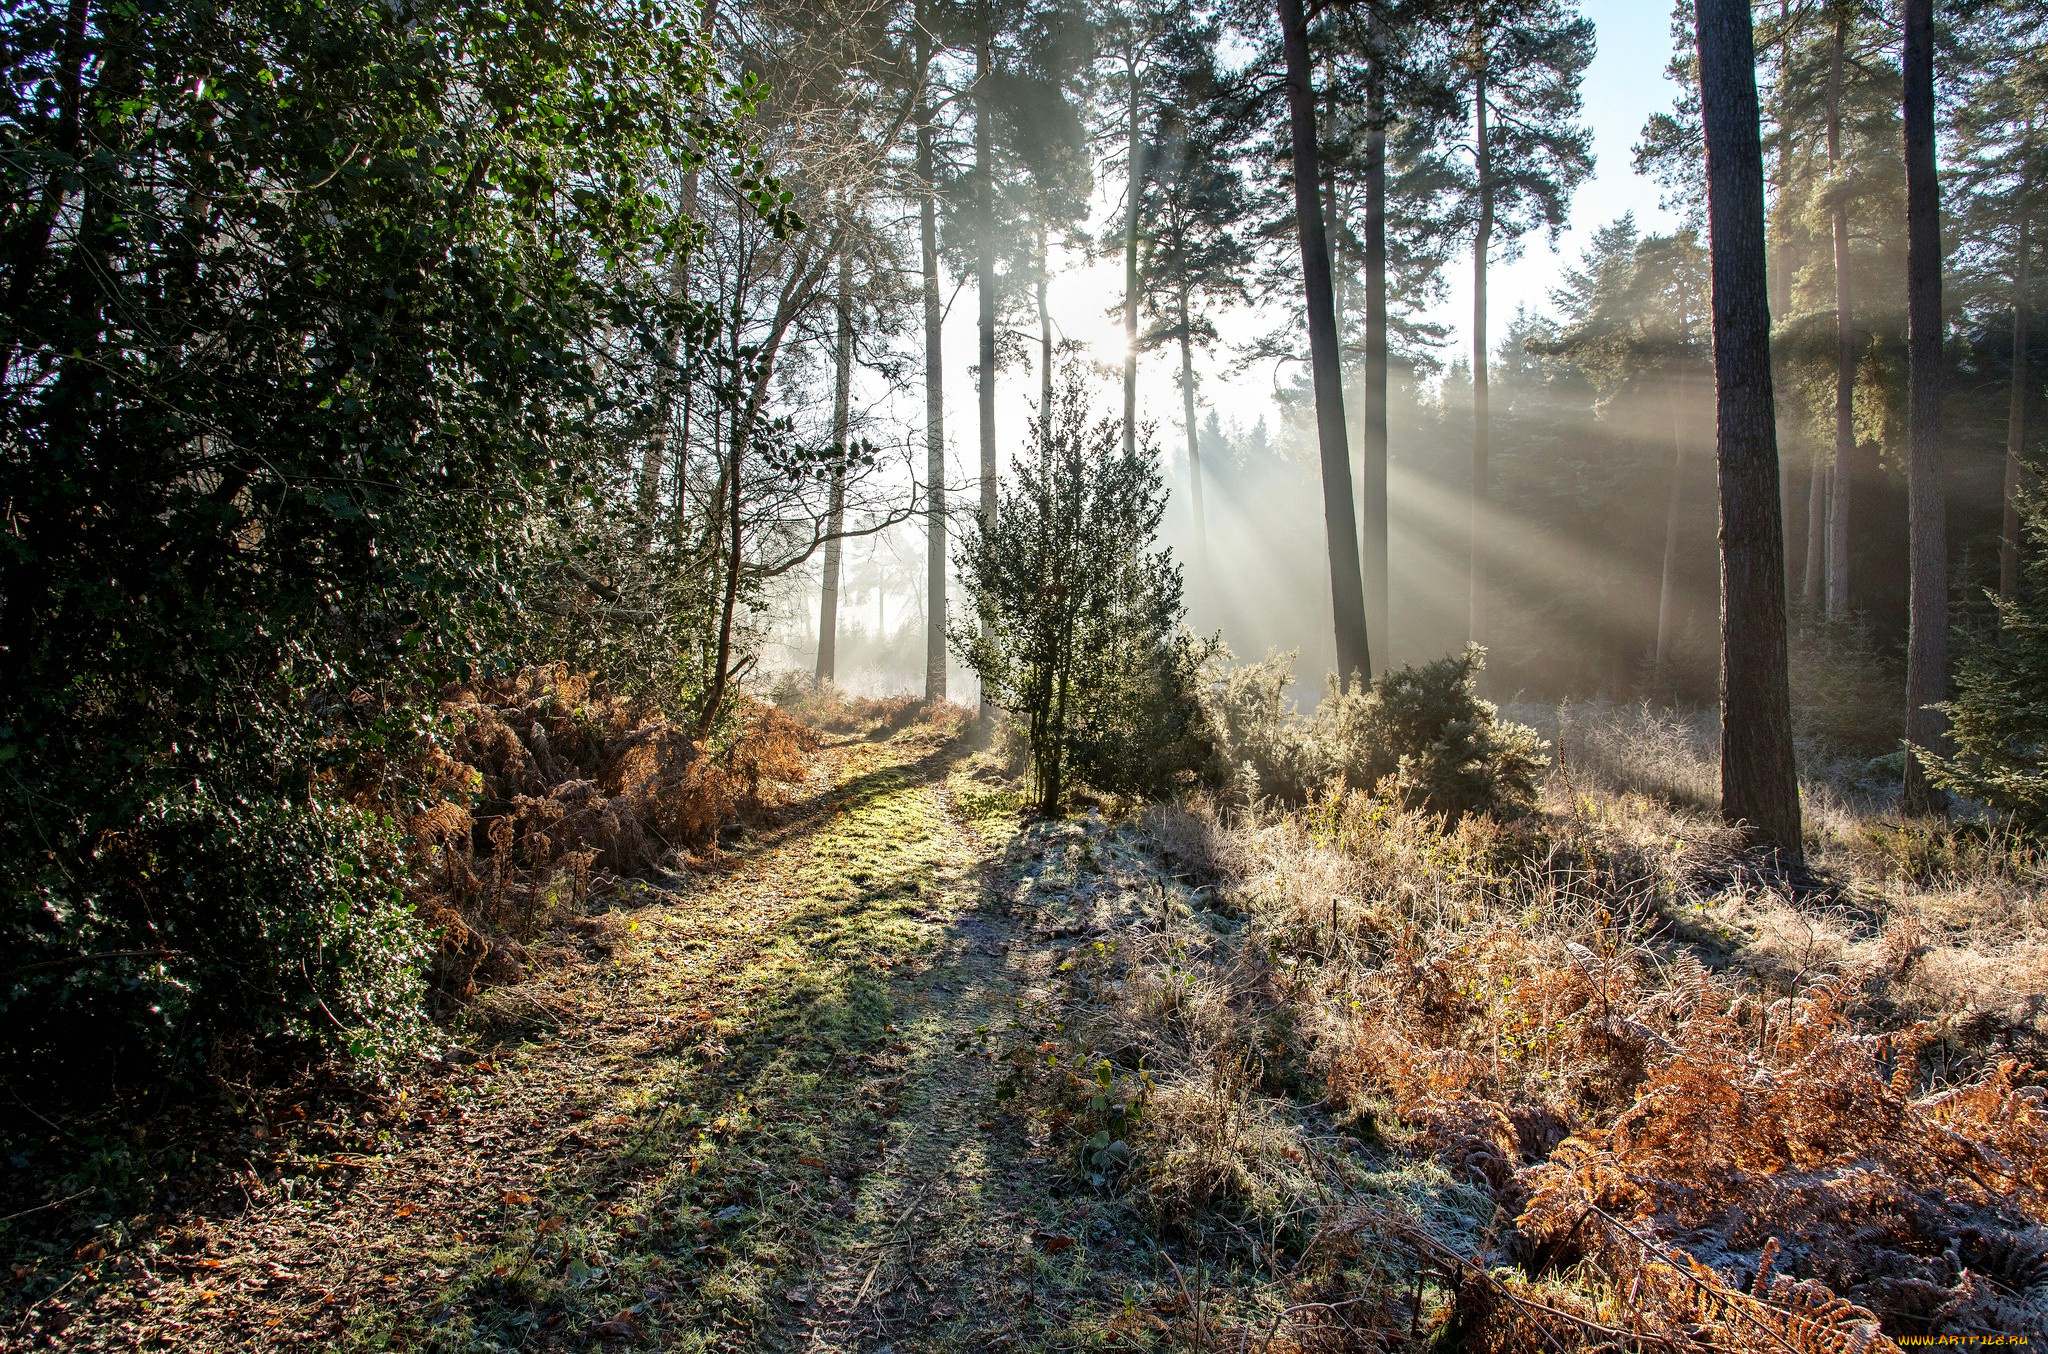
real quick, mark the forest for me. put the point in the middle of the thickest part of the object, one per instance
(1026, 675)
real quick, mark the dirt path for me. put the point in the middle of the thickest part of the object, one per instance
(757, 1110)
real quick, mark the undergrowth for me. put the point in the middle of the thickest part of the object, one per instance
(546, 785)
(1580, 1078)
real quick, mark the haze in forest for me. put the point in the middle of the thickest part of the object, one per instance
(1267, 602)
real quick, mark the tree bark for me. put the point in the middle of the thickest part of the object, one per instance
(1044, 347)
(1135, 192)
(1482, 450)
(735, 560)
(1927, 546)
(1373, 471)
(835, 519)
(1782, 269)
(2015, 425)
(1843, 478)
(1667, 588)
(1759, 779)
(1187, 396)
(1814, 580)
(985, 279)
(934, 399)
(1347, 591)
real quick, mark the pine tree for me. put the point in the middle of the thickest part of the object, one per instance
(1522, 62)
(1999, 94)
(1759, 779)
(1134, 35)
(1927, 635)
(1393, 110)
(1635, 314)
(1021, 91)
(1194, 209)
(1080, 637)
(835, 519)
(1340, 522)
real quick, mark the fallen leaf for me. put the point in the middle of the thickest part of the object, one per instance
(515, 1199)
(815, 1163)
(620, 1327)
(1052, 1242)
(406, 1210)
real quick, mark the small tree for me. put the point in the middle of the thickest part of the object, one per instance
(1079, 617)
(1998, 718)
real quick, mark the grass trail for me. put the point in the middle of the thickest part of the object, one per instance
(754, 1111)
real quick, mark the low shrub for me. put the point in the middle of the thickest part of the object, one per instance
(208, 931)
(1419, 734)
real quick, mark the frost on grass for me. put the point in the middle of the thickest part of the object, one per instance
(1657, 1096)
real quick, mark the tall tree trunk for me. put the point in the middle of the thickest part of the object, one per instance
(1927, 543)
(1044, 347)
(985, 278)
(1782, 266)
(735, 560)
(655, 459)
(1667, 588)
(679, 502)
(1843, 477)
(835, 517)
(1759, 779)
(1187, 398)
(934, 394)
(2015, 425)
(1340, 525)
(1135, 192)
(1482, 450)
(1814, 580)
(1373, 470)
